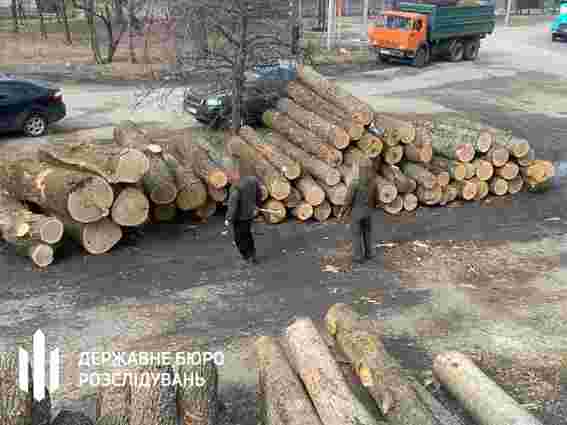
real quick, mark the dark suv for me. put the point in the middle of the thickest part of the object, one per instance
(29, 105)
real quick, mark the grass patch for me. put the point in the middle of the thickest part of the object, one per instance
(537, 248)
(535, 96)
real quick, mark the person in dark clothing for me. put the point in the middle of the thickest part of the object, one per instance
(245, 197)
(362, 198)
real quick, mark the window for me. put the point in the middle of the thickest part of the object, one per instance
(394, 22)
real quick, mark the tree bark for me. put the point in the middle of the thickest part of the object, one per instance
(265, 194)
(267, 147)
(479, 136)
(410, 201)
(393, 154)
(131, 207)
(322, 212)
(386, 190)
(518, 148)
(484, 169)
(333, 399)
(450, 193)
(395, 392)
(206, 211)
(96, 238)
(497, 155)
(303, 138)
(113, 401)
(526, 160)
(203, 166)
(498, 186)
(467, 189)
(451, 146)
(294, 199)
(199, 404)
(303, 211)
(537, 171)
(394, 175)
(191, 191)
(353, 155)
(402, 131)
(161, 213)
(418, 152)
(85, 196)
(432, 196)
(278, 186)
(312, 192)
(68, 37)
(515, 185)
(308, 162)
(394, 207)
(508, 171)
(146, 403)
(482, 398)
(114, 163)
(329, 132)
(17, 406)
(335, 194)
(418, 173)
(442, 177)
(347, 174)
(283, 395)
(470, 170)
(372, 146)
(279, 213)
(456, 169)
(482, 188)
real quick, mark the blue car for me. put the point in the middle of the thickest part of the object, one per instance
(559, 26)
(29, 106)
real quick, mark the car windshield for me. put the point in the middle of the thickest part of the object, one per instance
(563, 9)
(393, 22)
(214, 101)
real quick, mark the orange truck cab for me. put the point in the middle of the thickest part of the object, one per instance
(418, 32)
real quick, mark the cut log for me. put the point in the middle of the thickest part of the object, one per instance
(371, 145)
(329, 391)
(418, 173)
(515, 185)
(85, 196)
(290, 168)
(329, 90)
(264, 193)
(508, 171)
(218, 195)
(145, 402)
(527, 159)
(410, 201)
(442, 177)
(386, 190)
(113, 401)
(394, 207)
(191, 191)
(482, 398)
(418, 152)
(404, 132)
(475, 133)
(452, 192)
(470, 170)
(277, 212)
(312, 192)
(395, 392)
(40, 253)
(294, 199)
(309, 100)
(131, 207)
(393, 174)
(303, 138)
(498, 186)
(198, 404)
(353, 156)
(448, 142)
(164, 212)
(347, 173)
(456, 169)
(538, 187)
(337, 211)
(431, 196)
(96, 238)
(517, 147)
(393, 154)
(309, 163)
(467, 190)
(303, 211)
(538, 171)
(206, 211)
(497, 155)
(330, 132)
(336, 194)
(322, 212)
(484, 170)
(482, 188)
(197, 158)
(282, 393)
(277, 184)
(114, 163)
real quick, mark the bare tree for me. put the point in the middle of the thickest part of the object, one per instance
(62, 6)
(15, 17)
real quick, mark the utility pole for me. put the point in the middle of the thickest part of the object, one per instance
(508, 11)
(330, 22)
(364, 31)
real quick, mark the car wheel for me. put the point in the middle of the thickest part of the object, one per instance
(457, 52)
(35, 125)
(421, 58)
(471, 50)
(553, 37)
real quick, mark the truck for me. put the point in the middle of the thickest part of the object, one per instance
(559, 25)
(417, 32)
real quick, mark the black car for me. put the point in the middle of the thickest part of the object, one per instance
(214, 108)
(29, 105)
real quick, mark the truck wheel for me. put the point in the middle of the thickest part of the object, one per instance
(471, 50)
(382, 59)
(421, 58)
(457, 52)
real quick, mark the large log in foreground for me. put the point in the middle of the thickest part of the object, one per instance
(191, 191)
(331, 395)
(199, 404)
(483, 399)
(97, 238)
(131, 207)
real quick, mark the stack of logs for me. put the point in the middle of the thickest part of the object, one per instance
(344, 375)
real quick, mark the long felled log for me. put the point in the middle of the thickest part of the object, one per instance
(86, 197)
(312, 192)
(198, 404)
(277, 184)
(330, 132)
(333, 399)
(353, 155)
(283, 396)
(302, 137)
(196, 157)
(442, 177)
(449, 143)
(290, 168)
(264, 193)
(456, 169)
(191, 191)
(483, 399)
(329, 90)
(131, 207)
(147, 403)
(478, 135)
(336, 194)
(96, 238)
(516, 146)
(404, 132)
(419, 151)
(309, 163)
(323, 211)
(311, 101)
(371, 145)
(432, 196)
(303, 211)
(393, 154)
(418, 173)
(275, 211)
(347, 173)
(113, 401)
(115, 163)
(386, 190)
(470, 170)
(294, 199)
(403, 183)
(397, 394)
(16, 405)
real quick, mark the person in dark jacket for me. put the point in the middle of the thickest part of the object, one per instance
(362, 198)
(245, 197)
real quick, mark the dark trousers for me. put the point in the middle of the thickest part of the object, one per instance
(243, 238)
(362, 238)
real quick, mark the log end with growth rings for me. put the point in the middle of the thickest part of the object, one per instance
(132, 166)
(41, 254)
(101, 236)
(92, 201)
(51, 230)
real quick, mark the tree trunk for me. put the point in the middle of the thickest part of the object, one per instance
(40, 253)
(442, 177)
(371, 145)
(309, 100)
(96, 238)
(347, 174)
(394, 207)
(498, 186)
(67, 29)
(450, 145)
(354, 107)
(497, 155)
(537, 171)
(303, 211)
(508, 171)
(116, 164)
(386, 190)
(131, 207)
(335, 194)
(283, 396)
(470, 170)
(393, 174)
(482, 398)
(145, 402)
(16, 404)
(166, 212)
(402, 131)
(312, 192)
(42, 28)
(198, 404)
(267, 147)
(294, 199)
(450, 193)
(15, 20)
(331, 395)
(525, 160)
(93, 37)
(191, 191)
(479, 136)
(467, 190)
(206, 211)
(85, 196)
(353, 156)
(518, 148)
(131, 31)
(329, 132)
(113, 401)
(431, 196)
(278, 186)
(322, 212)
(515, 185)
(418, 173)
(482, 188)
(419, 152)
(279, 212)
(238, 76)
(484, 169)
(218, 195)
(309, 163)
(395, 392)
(456, 169)
(303, 138)
(203, 166)
(410, 201)
(393, 154)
